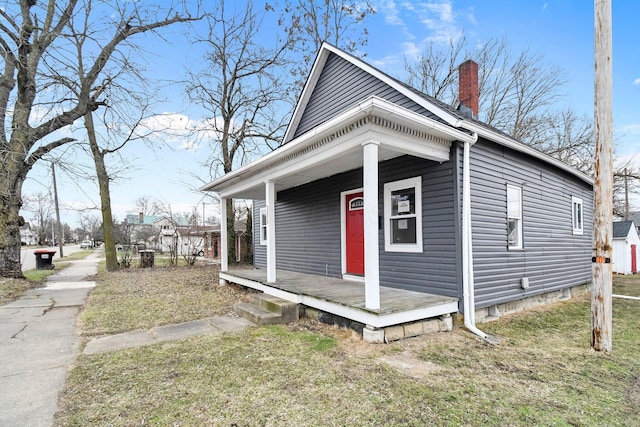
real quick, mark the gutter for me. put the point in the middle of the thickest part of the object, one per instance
(468, 286)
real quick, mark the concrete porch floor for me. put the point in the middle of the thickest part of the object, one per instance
(346, 298)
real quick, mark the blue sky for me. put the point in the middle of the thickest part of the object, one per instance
(560, 31)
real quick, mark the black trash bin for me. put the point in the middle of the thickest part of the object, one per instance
(44, 258)
(146, 257)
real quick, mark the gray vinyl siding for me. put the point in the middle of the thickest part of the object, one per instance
(341, 86)
(435, 269)
(552, 258)
(308, 227)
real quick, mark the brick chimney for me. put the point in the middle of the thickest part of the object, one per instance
(468, 86)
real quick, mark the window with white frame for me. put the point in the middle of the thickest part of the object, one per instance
(514, 217)
(403, 215)
(577, 216)
(263, 226)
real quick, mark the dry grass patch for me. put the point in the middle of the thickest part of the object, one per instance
(136, 298)
(12, 289)
(308, 374)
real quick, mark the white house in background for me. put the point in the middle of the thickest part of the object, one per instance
(27, 236)
(626, 246)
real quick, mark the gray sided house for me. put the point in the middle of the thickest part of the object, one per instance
(386, 207)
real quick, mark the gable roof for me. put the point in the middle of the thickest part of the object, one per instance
(621, 228)
(328, 54)
(442, 111)
(396, 105)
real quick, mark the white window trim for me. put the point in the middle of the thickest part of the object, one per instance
(389, 187)
(578, 231)
(520, 244)
(263, 231)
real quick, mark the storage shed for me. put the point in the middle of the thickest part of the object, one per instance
(625, 247)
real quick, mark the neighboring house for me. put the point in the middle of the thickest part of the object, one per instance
(626, 247)
(212, 244)
(28, 237)
(384, 206)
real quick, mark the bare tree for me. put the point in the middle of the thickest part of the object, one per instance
(517, 92)
(312, 22)
(36, 97)
(240, 88)
(147, 205)
(626, 179)
(517, 96)
(40, 205)
(567, 137)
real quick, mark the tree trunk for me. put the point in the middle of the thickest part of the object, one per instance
(10, 246)
(105, 196)
(231, 232)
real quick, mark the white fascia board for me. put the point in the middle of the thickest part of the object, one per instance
(372, 105)
(518, 146)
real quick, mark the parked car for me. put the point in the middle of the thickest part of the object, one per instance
(86, 244)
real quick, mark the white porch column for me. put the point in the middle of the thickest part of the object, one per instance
(270, 192)
(224, 243)
(371, 250)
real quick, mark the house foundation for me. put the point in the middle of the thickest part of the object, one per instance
(494, 312)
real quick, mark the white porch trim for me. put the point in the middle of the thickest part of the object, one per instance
(377, 319)
(224, 242)
(371, 240)
(271, 230)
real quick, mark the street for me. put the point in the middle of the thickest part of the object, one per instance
(29, 259)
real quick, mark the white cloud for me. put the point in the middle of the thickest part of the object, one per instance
(633, 129)
(637, 81)
(437, 20)
(441, 21)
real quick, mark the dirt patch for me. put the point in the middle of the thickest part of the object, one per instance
(407, 364)
(634, 394)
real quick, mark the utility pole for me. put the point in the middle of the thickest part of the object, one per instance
(55, 198)
(601, 305)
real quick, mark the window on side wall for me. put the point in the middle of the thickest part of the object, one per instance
(403, 215)
(514, 217)
(577, 216)
(263, 226)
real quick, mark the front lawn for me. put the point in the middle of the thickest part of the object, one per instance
(309, 374)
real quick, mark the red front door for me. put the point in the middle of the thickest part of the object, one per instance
(354, 233)
(634, 262)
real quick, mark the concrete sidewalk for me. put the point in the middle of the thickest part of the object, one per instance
(139, 338)
(39, 344)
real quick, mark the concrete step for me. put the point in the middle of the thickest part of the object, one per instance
(289, 311)
(257, 314)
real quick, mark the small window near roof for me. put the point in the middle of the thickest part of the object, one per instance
(263, 226)
(514, 217)
(577, 216)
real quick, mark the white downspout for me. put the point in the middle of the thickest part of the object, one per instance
(467, 248)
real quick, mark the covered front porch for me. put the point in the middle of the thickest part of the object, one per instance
(345, 298)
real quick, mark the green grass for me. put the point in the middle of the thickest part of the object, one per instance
(308, 374)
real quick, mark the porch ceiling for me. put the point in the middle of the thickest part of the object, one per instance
(336, 147)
